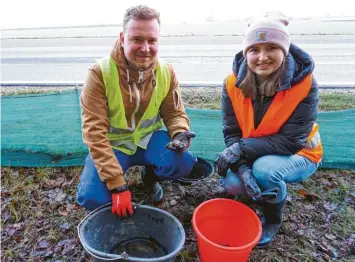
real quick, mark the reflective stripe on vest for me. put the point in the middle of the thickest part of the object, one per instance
(120, 135)
(280, 110)
(143, 124)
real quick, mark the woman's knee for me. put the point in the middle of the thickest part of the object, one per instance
(265, 172)
(274, 169)
(232, 184)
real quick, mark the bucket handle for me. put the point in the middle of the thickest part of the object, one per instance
(118, 257)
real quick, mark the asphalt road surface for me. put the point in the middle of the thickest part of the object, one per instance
(195, 58)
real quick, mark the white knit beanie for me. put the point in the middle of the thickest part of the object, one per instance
(270, 28)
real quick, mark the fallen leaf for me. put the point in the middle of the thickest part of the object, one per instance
(63, 242)
(55, 183)
(43, 244)
(22, 254)
(70, 207)
(63, 211)
(349, 200)
(5, 193)
(48, 253)
(18, 225)
(330, 216)
(40, 253)
(68, 249)
(309, 207)
(329, 236)
(65, 226)
(10, 232)
(325, 182)
(308, 195)
(299, 232)
(60, 197)
(5, 216)
(330, 206)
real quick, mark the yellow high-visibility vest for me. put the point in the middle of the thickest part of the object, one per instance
(120, 135)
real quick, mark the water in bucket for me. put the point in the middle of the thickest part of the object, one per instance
(140, 247)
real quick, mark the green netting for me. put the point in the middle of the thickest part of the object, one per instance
(45, 130)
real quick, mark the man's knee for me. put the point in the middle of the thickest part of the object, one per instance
(89, 197)
(180, 165)
(91, 192)
(232, 184)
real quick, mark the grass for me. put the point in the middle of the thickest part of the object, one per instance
(344, 221)
(336, 101)
(212, 100)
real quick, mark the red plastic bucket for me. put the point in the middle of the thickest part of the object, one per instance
(226, 230)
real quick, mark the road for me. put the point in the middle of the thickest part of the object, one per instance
(195, 58)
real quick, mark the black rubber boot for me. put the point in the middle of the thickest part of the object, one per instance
(150, 181)
(271, 222)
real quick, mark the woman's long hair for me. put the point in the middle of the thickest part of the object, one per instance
(250, 87)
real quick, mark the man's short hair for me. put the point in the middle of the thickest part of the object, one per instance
(140, 12)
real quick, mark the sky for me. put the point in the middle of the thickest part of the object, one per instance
(48, 13)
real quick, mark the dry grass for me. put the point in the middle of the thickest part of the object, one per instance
(211, 98)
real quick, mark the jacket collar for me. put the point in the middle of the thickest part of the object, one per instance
(298, 65)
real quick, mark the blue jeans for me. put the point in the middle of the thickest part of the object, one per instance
(167, 165)
(272, 171)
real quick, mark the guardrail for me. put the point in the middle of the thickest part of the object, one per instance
(188, 84)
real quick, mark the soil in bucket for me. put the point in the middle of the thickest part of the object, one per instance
(140, 247)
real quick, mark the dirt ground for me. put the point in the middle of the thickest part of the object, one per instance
(39, 215)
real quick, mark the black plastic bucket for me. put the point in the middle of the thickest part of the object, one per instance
(201, 170)
(150, 235)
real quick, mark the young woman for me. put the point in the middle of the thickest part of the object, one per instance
(269, 107)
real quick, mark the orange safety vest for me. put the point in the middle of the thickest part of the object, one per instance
(280, 110)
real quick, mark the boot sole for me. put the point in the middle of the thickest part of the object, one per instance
(263, 246)
(160, 203)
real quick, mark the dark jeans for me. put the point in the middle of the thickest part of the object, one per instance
(168, 165)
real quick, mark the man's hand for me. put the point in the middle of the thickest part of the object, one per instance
(181, 141)
(228, 157)
(121, 202)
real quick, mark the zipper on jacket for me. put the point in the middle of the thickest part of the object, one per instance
(140, 76)
(138, 101)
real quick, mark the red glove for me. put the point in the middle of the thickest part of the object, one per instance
(121, 202)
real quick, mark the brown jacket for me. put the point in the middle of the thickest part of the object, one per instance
(95, 120)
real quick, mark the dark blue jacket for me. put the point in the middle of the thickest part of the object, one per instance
(294, 133)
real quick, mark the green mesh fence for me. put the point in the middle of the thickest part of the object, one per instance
(45, 130)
